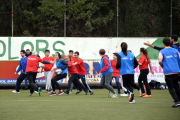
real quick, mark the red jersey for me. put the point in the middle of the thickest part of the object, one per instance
(32, 63)
(144, 62)
(71, 68)
(73, 59)
(80, 66)
(116, 71)
(48, 67)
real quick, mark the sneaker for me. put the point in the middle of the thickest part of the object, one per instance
(30, 94)
(70, 92)
(131, 97)
(91, 93)
(142, 94)
(36, 92)
(79, 91)
(110, 94)
(14, 91)
(124, 95)
(60, 92)
(114, 96)
(40, 91)
(147, 96)
(67, 92)
(52, 94)
(133, 101)
(87, 92)
(176, 105)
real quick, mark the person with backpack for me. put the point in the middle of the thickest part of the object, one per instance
(144, 61)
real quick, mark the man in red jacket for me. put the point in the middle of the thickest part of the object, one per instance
(31, 70)
(78, 62)
(48, 70)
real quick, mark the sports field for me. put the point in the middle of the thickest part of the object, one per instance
(86, 107)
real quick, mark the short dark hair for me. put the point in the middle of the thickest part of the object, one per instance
(23, 51)
(102, 51)
(166, 41)
(76, 53)
(27, 50)
(115, 54)
(47, 51)
(175, 37)
(71, 51)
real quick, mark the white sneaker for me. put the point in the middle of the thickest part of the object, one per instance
(70, 92)
(14, 91)
(36, 91)
(124, 95)
(132, 101)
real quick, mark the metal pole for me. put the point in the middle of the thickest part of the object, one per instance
(12, 18)
(65, 20)
(171, 19)
(117, 18)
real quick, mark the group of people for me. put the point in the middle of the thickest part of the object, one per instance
(121, 68)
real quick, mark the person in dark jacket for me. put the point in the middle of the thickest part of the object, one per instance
(28, 52)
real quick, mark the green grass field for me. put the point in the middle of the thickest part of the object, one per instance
(86, 107)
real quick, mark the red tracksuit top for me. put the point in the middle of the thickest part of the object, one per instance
(48, 67)
(71, 68)
(32, 63)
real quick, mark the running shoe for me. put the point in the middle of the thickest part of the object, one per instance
(131, 97)
(147, 96)
(176, 105)
(87, 92)
(114, 96)
(142, 94)
(110, 94)
(124, 95)
(52, 94)
(67, 92)
(91, 93)
(40, 91)
(36, 92)
(79, 91)
(60, 92)
(14, 91)
(133, 101)
(30, 94)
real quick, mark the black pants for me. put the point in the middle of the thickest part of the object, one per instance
(127, 82)
(179, 78)
(75, 80)
(134, 85)
(55, 79)
(143, 77)
(31, 76)
(173, 86)
(21, 77)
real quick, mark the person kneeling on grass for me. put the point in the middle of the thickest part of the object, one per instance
(62, 66)
(106, 73)
(169, 60)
